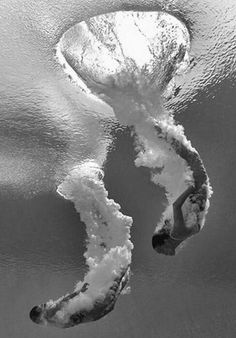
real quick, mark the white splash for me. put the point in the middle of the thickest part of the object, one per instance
(130, 60)
(109, 247)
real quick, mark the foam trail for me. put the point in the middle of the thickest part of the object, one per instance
(162, 145)
(108, 254)
(129, 60)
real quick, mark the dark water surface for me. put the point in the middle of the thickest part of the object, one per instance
(190, 295)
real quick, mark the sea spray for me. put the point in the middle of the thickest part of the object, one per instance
(129, 60)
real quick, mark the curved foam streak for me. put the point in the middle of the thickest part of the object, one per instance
(133, 81)
(133, 86)
(162, 145)
(108, 254)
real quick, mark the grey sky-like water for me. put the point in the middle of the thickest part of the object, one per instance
(190, 295)
(42, 240)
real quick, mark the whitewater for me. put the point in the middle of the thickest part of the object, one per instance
(131, 61)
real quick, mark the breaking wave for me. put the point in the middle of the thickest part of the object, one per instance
(130, 60)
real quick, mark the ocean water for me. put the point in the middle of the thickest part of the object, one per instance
(48, 126)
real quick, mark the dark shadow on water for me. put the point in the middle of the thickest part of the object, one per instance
(138, 196)
(45, 229)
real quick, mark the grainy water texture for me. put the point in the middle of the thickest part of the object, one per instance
(129, 59)
(49, 127)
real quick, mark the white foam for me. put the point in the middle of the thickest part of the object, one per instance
(129, 60)
(108, 246)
